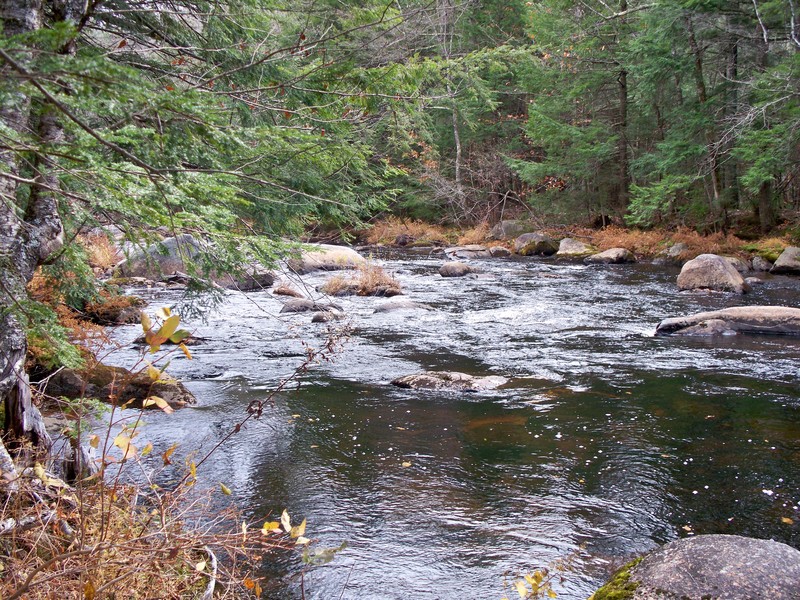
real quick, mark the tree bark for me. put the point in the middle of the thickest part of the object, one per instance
(30, 229)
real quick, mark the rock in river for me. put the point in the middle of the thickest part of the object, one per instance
(711, 272)
(613, 256)
(569, 247)
(710, 567)
(529, 244)
(788, 262)
(449, 380)
(467, 252)
(455, 269)
(771, 320)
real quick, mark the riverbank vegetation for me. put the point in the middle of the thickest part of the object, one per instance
(255, 123)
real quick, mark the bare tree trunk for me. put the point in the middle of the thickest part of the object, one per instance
(623, 162)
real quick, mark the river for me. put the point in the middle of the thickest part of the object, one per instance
(607, 442)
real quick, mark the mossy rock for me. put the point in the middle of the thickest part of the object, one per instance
(620, 587)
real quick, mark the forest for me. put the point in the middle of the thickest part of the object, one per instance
(256, 124)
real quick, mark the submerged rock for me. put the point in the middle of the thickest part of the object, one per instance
(449, 380)
(455, 269)
(710, 567)
(530, 244)
(326, 257)
(298, 305)
(711, 272)
(764, 320)
(613, 256)
(394, 305)
(788, 262)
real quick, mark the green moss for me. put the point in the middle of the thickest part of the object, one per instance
(769, 249)
(619, 587)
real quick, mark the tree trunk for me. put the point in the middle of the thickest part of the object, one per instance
(31, 230)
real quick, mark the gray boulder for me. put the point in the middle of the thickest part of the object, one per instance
(771, 320)
(509, 230)
(674, 255)
(711, 272)
(738, 264)
(711, 567)
(325, 257)
(569, 247)
(253, 278)
(449, 380)
(530, 244)
(614, 256)
(298, 305)
(455, 269)
(161, 258)
(761, 264)
(467, 252)
(788, 262)
(499, 251)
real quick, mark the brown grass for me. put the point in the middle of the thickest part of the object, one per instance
(101, 252)
(386, 231)
(650, 243)
(476, 235)
(368, 280)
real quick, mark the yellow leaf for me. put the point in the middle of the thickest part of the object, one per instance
(94, 440)
(786, 520)
(88, 591)
(406, 464)
(153, 373)
(302, 541)
(286, 521)
(201, 566)
(225, 489)
(257, 590)
(551, 594)
(163, 312)
(123, 442)
(147, 449)
(159, 402)
(169, 327)
(298, 530)
(193, 469)
(521, 589)
(271, 527)
(169, 451)
(249, 583)
(40, 473)
(185, 350)
(147, 324)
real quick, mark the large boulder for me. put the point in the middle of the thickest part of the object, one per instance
(711, 272)
(613, 256)
(572, 248)
(162, 258)
(710, 567)
(788, 262)
(467, 252)
(529, 244)
(118, 384)
(449, 380)
(455, 269)
(325, 257)
(509, 230)
(769, 320)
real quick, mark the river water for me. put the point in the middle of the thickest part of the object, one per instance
(606, 442)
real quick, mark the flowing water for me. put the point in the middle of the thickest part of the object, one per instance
(606, 442)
